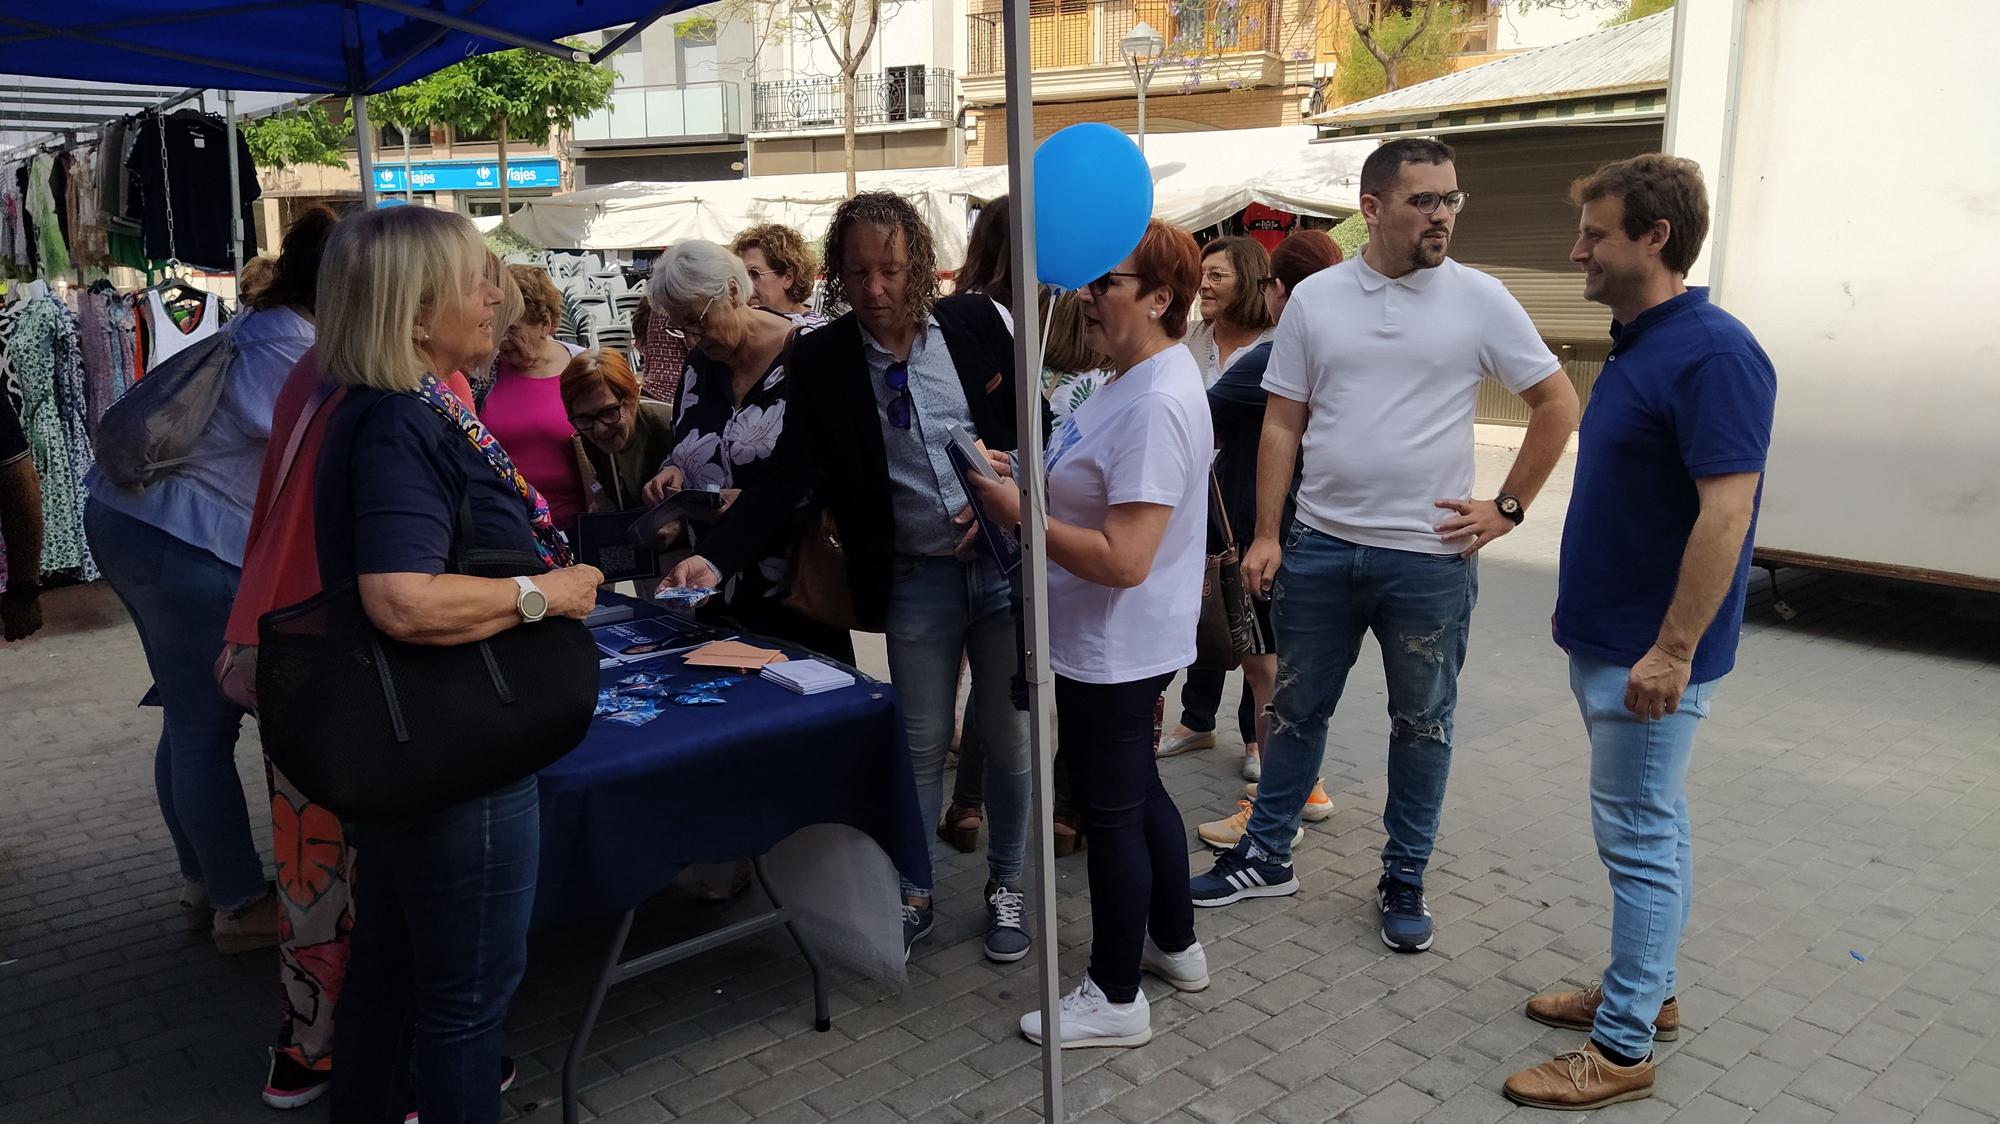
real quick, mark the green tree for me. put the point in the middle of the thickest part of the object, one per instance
(404, 107)
(306, 136)
(518, 95)
(1388, 47)
(1640, 9)
(1350, 234)
(1624, 11)
(849, 53)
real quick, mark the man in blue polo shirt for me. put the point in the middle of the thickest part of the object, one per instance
(1655, 561)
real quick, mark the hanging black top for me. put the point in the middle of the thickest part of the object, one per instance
(194, 181)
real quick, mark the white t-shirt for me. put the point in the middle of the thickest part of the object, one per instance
(1144, 438)
(1390, 370)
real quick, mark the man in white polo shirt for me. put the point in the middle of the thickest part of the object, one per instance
(1376, 372)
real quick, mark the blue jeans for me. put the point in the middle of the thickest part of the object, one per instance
(1329, 593)
(939, 610)
(440, 944)
(1639, 815)
(179, 597)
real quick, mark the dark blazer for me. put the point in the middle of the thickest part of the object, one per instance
(831, 448)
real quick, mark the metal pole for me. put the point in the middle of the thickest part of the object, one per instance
(1141, 81)
(235, 187)
(357, 96)
(1034, 538)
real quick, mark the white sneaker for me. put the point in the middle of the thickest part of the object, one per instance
(1089, 1019)
(1187, 969)
(1253, 766)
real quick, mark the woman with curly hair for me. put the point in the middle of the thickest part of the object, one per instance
(865, 439)
(782, 270)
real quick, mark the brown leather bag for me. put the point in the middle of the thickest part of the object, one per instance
(817, 576)
(1222, 637)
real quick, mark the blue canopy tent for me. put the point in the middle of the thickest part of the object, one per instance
(348, 47)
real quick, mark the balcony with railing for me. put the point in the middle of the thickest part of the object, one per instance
(638, 113)
(1071, 34)
(898, 96)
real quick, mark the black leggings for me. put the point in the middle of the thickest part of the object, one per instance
(1138, 848)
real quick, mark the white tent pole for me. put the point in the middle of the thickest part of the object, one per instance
(235, 187)
(1034, 538)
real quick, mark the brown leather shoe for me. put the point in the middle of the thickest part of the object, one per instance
(1580, 1079)
(1068, 834)
(1577, 1010)
(960, 827)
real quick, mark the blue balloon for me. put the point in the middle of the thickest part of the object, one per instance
(1093, 198)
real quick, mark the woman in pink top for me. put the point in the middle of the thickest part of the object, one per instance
(525, 408)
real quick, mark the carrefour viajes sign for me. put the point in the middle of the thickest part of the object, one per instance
(469, 175)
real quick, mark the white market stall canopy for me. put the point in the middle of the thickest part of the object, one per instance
(1199, 180)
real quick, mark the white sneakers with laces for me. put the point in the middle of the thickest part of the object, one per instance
(1089, 1019)
(1187, 969)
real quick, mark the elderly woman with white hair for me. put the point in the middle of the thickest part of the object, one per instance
(731, 410)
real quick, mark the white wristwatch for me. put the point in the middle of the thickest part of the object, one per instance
(530, 602)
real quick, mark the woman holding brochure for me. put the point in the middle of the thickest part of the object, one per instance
(1128, 507)
(732, 410)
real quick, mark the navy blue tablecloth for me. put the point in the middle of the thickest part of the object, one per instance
(634, 805)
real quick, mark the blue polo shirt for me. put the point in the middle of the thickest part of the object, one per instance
(1687, 393)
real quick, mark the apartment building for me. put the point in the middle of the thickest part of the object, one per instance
(906, 95)
(1229, 64)
(680, 108)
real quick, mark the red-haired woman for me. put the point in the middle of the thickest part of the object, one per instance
(1128, 513)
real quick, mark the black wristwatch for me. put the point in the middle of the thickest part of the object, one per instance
(1510, 506)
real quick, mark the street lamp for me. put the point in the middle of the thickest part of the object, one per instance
(1143, 49)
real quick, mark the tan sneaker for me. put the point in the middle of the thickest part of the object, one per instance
(1224, 834)
(1176, 744)
(1577, 1010)
(1581, 1079)
(253, 927)
(1319, 806)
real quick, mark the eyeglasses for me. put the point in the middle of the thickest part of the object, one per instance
(1216, 276)
(699, 327)
(757, 275)
(1428, 202)
(1265, 283)
(1108, 282)
(898, 379)
(605, 418)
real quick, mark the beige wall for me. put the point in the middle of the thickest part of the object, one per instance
(1170, 113)
(780, 155)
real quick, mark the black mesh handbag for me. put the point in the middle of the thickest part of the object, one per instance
(380, 730)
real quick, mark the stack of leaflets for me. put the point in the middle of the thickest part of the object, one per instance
(807, 677)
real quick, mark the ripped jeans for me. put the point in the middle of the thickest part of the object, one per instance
(1328, 594)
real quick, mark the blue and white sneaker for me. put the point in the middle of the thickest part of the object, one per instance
(1406, 918)
(1236, 876)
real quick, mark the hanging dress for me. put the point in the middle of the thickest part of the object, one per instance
(43, 367)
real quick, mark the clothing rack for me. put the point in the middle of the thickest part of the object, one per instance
(65, 137)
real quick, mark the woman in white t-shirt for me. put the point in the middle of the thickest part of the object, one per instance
(1128, 508)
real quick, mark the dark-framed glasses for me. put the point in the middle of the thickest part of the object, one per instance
(897, 377)
(1108, 282)
(605, 418)
(1428, 202)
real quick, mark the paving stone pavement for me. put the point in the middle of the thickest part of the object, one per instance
(1844, 798)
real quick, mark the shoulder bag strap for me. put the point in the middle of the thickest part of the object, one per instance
(1219, 515)
(319, 396)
